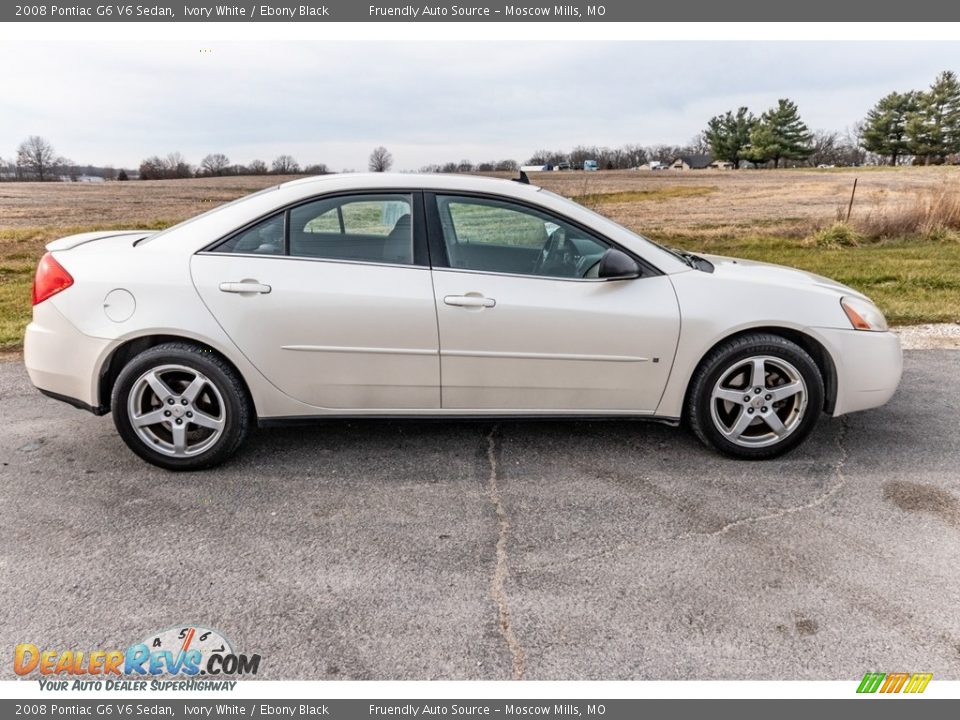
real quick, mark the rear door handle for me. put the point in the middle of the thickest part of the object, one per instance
(245, 286)
(477, 301)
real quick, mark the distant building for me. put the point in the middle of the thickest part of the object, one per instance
(721, 165)
(691, 162)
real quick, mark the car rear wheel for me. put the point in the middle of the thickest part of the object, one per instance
(755, 397)
(180, 407)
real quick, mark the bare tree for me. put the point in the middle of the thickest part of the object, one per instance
(285, 165)
(257, 167)
(177, 166)
(215, 164)
(380, 159)
(36, 158)
(317, 169)
(825, 148)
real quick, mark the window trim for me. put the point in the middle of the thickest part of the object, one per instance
(438, 246)
(421, 253)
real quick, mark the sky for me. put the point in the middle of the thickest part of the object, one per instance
(115, 103)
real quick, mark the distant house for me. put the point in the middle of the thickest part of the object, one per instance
(691, 162)
(721, 165)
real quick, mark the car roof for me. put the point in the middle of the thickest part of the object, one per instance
(420, 181)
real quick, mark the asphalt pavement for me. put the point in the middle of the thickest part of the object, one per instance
(456, 550)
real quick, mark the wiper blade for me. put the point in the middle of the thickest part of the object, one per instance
(684, 255)
(694, 261)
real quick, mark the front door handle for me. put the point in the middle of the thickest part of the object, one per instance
(477, 301)
(245, 286)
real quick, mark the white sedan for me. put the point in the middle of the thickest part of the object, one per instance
(438, 296)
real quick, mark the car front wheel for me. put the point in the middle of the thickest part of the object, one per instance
(755, 397)
(180, 407)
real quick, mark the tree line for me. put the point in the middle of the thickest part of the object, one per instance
(173, 165)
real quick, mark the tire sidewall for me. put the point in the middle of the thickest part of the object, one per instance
(721, 361)
(197, 359)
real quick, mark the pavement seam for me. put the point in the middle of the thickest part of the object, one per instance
(502, 569)
(783, 512)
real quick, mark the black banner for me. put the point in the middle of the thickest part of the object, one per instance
(481, 11)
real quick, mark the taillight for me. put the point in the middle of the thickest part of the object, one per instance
(50, 279)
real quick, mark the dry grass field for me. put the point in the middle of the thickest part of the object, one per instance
(902, 246)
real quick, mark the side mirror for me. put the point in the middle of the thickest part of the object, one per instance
(617, 265)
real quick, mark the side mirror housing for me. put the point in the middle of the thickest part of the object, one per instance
(617, 265)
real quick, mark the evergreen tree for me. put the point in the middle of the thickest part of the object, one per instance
(729, 135)
(885, 128)
(780, 135)
(934, 128)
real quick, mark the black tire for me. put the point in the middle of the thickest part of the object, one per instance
(222, 397)
(780, 358)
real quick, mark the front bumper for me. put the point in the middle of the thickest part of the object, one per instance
(868, 365)
(63, 362)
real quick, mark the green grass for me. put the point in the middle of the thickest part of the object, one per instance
(912, 281)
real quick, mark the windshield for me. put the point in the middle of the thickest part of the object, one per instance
(605, 218)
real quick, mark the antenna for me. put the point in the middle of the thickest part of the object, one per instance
(523, 179)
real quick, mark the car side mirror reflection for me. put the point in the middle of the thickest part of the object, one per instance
(617, 265)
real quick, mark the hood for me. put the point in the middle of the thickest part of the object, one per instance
(770, 274)
(72, 241)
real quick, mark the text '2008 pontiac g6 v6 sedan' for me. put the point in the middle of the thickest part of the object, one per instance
(432, 296)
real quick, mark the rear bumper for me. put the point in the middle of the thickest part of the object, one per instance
(63, 362)
(868, 365)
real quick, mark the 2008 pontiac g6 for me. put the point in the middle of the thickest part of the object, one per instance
(432, 296)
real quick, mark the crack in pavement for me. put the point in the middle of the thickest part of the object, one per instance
(783, 512)
(837, 486)
(501, 569)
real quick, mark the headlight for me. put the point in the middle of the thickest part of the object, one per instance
(863, 314)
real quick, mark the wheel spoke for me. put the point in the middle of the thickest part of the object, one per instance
(774, 423)
(158, 386)
(758, 373)
(734, 396)
(150, 418)
(179, 439)
(208, 421)
(784, 391)
(740, 426)
(194, 388)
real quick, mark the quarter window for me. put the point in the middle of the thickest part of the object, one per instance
(264, 238)
(496, 236)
